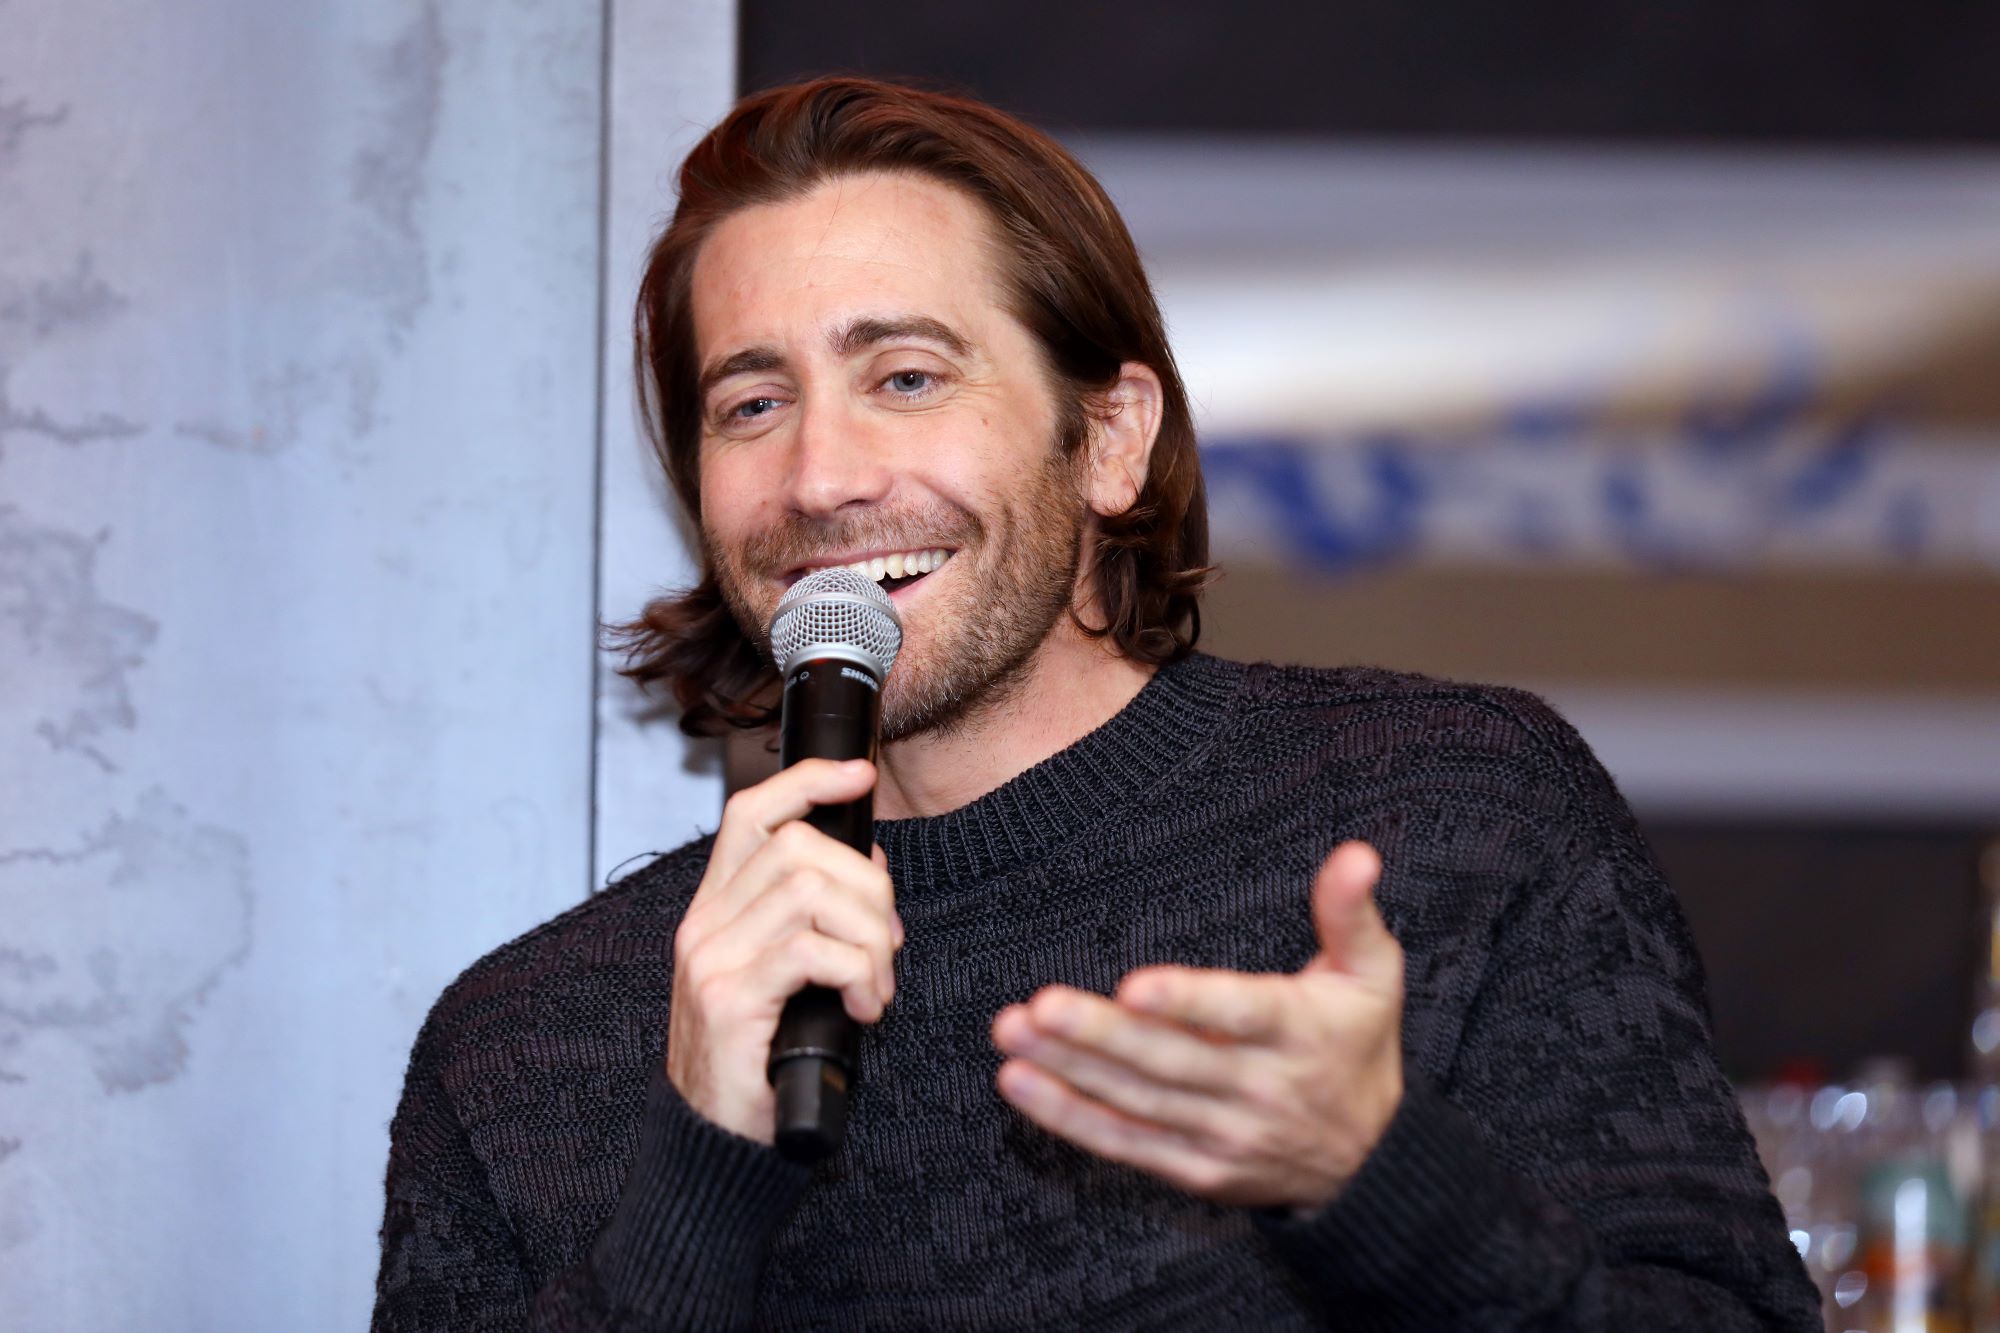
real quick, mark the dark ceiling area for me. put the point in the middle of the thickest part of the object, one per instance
(1785, 71)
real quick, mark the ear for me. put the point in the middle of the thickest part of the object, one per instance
(1124, 423)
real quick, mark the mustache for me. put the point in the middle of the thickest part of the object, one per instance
(798, 539)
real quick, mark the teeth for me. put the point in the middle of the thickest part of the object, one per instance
(903, 564)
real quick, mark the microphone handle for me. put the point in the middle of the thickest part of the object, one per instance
(832, 709)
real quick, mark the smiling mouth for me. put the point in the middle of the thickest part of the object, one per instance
(892, 573)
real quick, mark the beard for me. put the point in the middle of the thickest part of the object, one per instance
(968, 647)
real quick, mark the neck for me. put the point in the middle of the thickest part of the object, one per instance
(1070, 687)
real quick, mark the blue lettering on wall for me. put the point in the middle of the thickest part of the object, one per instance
(1732, 474)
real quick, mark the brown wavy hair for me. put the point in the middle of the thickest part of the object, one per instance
(1073, 279)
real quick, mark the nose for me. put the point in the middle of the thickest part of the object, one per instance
(835, 461)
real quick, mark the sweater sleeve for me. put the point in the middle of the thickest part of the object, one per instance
(1583, 1164)
(682, 1249)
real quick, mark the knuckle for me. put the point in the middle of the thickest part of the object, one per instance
(687, 954)
(687, 934)
(795, 837)
(712, 994)
(689, 951)
(802, 951)
(803, 882)
(822, 962)
(740, 806)
(1155, 988)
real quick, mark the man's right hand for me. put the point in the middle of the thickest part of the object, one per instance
(781, 905)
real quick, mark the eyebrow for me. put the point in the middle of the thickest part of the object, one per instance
(858, 335)
(749, 361)
(867, 332)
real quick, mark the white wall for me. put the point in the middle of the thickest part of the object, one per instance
(672, 77)
(300, 392)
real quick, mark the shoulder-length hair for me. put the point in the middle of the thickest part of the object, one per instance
(1073, 279)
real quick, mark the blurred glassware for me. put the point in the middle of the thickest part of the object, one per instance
(1983, 1277)
(1875, 1179)
(1912, 1226)
(1985, 1062)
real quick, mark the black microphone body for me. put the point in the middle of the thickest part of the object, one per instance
(832, 710)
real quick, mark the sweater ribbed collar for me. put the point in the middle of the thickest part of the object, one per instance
(1106, 771)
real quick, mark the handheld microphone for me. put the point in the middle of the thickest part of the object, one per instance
(834, 638)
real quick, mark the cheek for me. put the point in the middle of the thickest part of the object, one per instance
(728, 503)
(995, 460)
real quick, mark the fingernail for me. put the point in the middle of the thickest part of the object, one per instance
(1018, 1083)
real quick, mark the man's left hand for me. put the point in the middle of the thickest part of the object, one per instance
(1256, 1090)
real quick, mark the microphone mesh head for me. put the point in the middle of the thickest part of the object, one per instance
(836, 612)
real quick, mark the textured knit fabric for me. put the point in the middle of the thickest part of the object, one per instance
(1567, 1155)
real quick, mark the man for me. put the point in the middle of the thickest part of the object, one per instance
(1142, 1052)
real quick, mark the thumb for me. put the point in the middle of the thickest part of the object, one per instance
(1352, 936)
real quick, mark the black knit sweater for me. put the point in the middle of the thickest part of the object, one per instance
(1567, 1154)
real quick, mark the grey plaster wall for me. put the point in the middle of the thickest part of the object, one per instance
(302, 357)
(672, 70)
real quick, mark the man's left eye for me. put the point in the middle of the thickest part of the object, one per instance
(910, 382)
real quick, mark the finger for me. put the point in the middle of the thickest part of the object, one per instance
(754, 813)
(1200, 1115)
(818, 960)
(794, 849)
(1060, 1109)
(810, 900)
(1242, 1006)
(1161, 1049)
(1352, 935)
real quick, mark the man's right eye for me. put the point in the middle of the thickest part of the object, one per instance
(753, 407)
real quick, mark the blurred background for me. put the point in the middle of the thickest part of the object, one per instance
(1643, 355)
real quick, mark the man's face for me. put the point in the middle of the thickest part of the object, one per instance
(866, 396)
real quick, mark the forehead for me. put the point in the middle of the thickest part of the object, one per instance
(855, 245)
